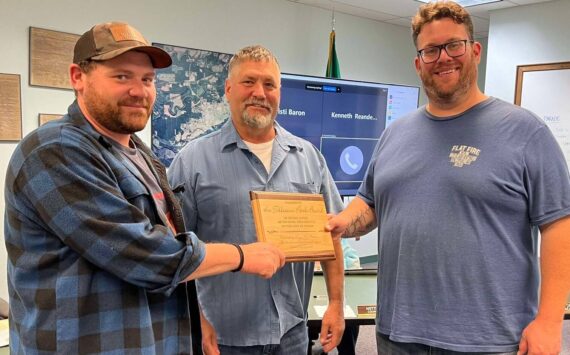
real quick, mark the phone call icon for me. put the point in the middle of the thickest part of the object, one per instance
(351, 160)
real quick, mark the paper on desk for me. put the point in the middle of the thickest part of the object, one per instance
(348, 312)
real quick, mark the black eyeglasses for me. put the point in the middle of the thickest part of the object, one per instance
(453, 49)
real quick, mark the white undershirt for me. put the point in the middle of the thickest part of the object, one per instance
(262, 151)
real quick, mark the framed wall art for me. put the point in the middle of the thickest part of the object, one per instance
(544, 89)
(190, 99)
(46, 117)
(51, 52)
(10, 108)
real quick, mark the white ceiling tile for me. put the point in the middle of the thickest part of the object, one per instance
(528, 2)
(399, 8)
(363, 12)
(483, 10)
(348, 7)
(400, 12)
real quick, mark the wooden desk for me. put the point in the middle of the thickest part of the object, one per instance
(359, 290)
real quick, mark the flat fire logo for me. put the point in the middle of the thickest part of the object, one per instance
(462, 155)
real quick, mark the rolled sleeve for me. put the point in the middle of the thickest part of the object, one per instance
(193, 257)
(80, 196)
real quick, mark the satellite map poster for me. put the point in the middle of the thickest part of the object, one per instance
(190, 99)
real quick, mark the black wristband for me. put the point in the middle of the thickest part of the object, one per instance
(240, 258)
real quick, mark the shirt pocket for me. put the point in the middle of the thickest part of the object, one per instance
(132, 187)
(303, 187)
(215, 202)
(137, 194)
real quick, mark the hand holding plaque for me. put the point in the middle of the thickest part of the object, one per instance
(295, 222)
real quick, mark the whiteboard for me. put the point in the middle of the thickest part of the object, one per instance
(545, 91)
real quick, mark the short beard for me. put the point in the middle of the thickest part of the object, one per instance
(449, 97)
(109, 115)
(258, 121)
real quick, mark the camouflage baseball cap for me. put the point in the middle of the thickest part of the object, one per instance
(108, 40)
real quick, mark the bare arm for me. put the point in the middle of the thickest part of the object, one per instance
(555, 269)
(209, 337)
(333, 320)
(356, 220)
(262, 259)
(543, 335)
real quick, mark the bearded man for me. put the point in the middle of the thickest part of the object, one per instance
(457, 189)
(246, 315)
(98, 254)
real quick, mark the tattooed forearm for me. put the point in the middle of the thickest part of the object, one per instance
(363, 222)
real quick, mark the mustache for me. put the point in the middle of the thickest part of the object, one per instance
(256, 102)
(447, 66)
(135, 102)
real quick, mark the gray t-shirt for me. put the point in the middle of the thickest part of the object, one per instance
(455, 201)
(148, 178)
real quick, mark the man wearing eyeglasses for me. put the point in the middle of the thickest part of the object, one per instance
(458, 189)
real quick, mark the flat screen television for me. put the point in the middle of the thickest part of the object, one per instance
(343, 118)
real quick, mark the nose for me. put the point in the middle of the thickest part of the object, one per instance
(443, 56)
(138, 89)
(258, 91)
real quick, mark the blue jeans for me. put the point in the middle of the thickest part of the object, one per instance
(386, 346)
(294, 342)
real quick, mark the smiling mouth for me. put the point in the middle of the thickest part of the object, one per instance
(135, 107)
(134, 104)
(446, 71)
(258, 106)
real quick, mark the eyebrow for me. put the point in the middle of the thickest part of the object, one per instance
(452, 39)
(262, 78)
(130, 72)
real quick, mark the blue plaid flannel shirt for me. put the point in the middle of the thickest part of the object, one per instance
(92, 268)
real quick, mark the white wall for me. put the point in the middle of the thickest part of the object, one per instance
(297, 34)
(482, 68)
(532, 34)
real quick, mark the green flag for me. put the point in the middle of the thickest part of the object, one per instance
(333, 69)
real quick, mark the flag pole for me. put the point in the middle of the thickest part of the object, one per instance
(333, 70)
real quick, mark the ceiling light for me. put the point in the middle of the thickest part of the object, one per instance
(467, 3)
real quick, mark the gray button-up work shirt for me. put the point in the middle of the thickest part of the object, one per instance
(217, 172)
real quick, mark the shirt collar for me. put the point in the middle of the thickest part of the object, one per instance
(77, 118)
(231, 139)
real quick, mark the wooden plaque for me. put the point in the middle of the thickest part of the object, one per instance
(295, 222)
(51, 53)
(10, 108)
(46, 117)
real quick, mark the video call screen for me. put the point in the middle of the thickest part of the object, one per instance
(343, 118)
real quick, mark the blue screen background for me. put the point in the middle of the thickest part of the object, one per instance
(343, 119)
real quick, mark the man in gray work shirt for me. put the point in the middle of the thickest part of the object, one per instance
(248, 315)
